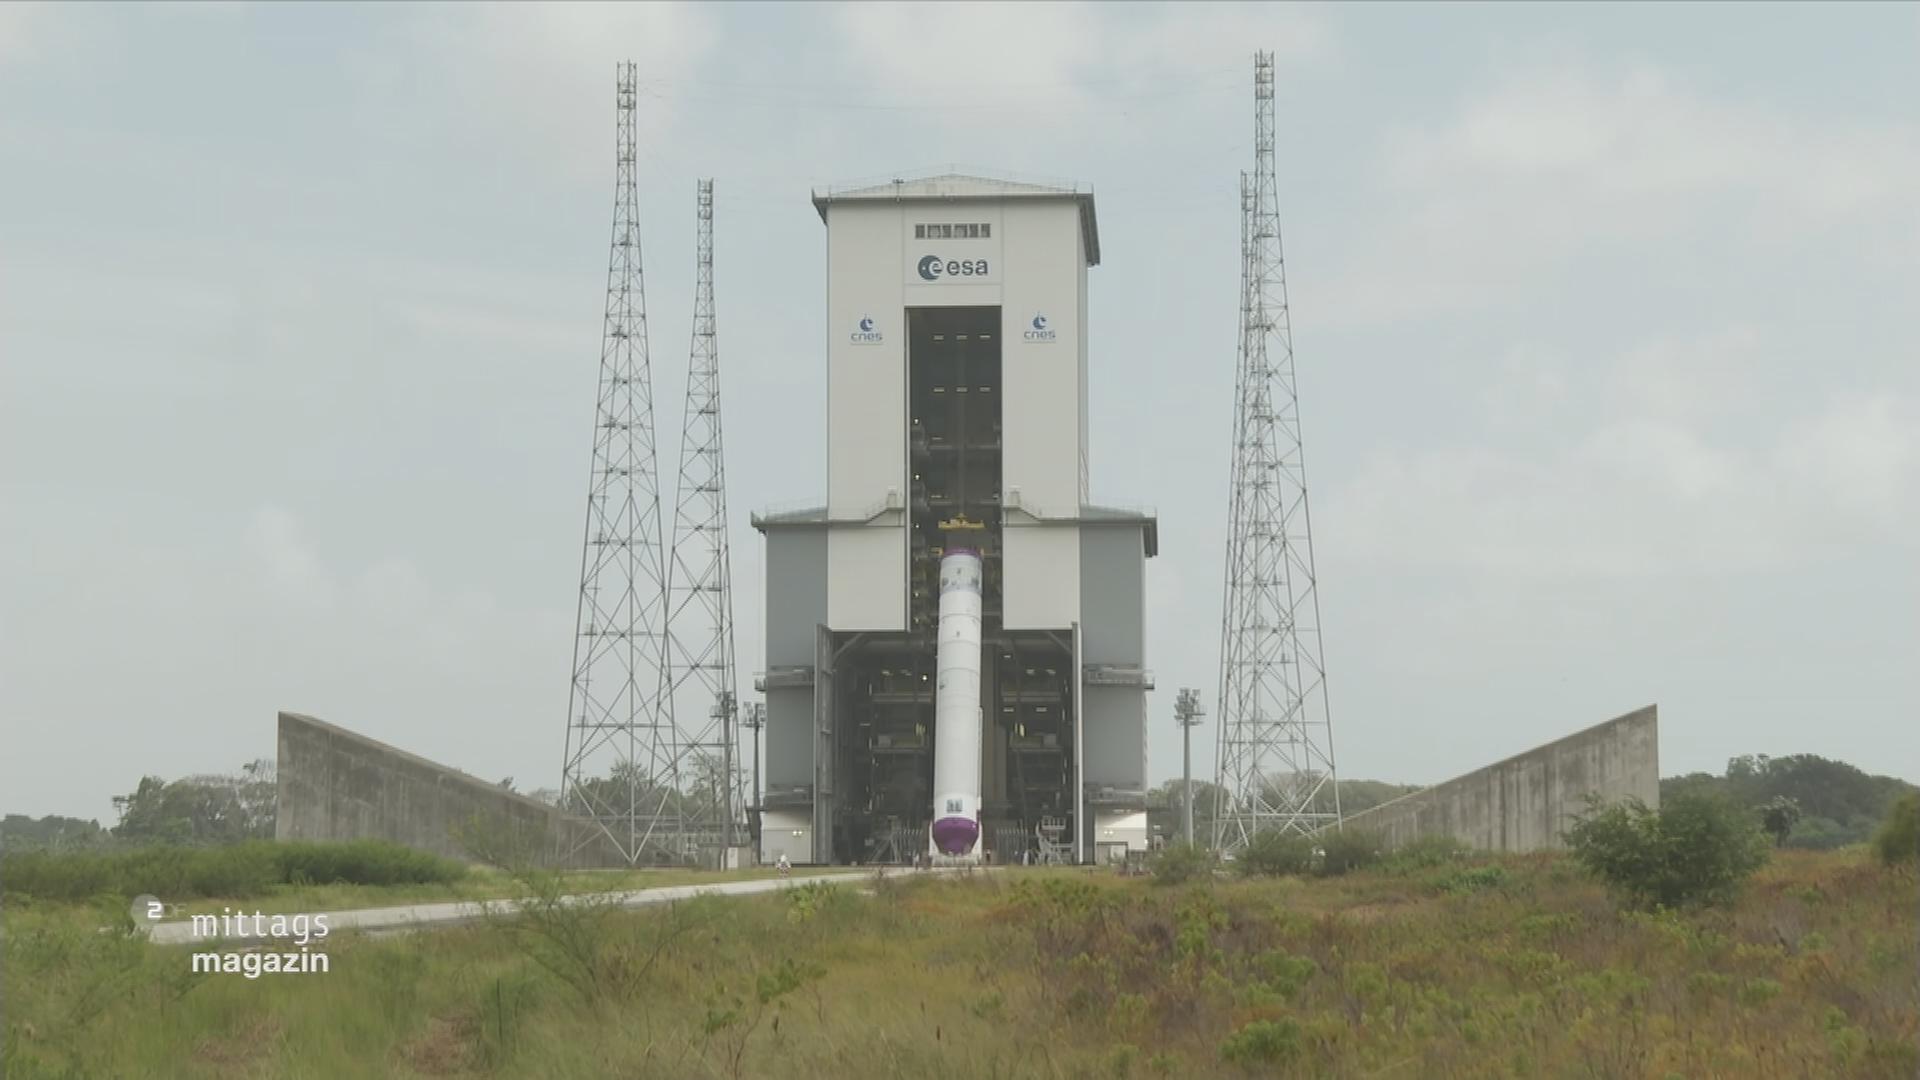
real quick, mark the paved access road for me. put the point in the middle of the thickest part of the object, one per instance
(425, 916)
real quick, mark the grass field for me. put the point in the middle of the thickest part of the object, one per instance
(1508, 968)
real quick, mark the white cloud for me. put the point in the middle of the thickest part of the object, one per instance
(19, 25)
(1693, 378)
(1638, 134)
(1531, 382)
(290, 566)
(1862, 451)
(537, 80)
(971, 64)
(1548, 169)
(1640, 477)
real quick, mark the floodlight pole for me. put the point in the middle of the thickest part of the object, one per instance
(754, 720)
(1187, 713)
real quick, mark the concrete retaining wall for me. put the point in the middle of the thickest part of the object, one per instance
(335, 784)
(1526, 802)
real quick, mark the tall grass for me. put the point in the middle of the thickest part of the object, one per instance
(1518, 967)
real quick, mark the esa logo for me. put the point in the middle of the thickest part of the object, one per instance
(933, 268)
(865, 332)
(1038, 331)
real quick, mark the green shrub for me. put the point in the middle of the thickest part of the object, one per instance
(1899, 838)
(1696, 850)
(1274, 853)
(362, 862)
(1348, 849)
(169, 872)
(237, 870)
(819, 900)
(583, 939)
(1778, 816)
(1180, 863)
(1424, 853)
(1471, 879)
(1283, 972)
(1263, 1042)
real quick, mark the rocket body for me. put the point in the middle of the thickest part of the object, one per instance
(957, 719)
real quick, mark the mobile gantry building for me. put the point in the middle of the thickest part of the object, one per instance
(957, 373)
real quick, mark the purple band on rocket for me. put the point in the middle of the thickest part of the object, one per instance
(955, 835)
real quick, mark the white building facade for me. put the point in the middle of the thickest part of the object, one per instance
(957, 368)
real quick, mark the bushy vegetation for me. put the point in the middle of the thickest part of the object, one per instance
(1165, 804)
(1470, 879)
(1287, 854)
(1424, 853)
(1512, 968)
(1697, 849)
(1177, 864)
(1275, 854)
(1481, 968)
(1835, 803)
(1778, 816)
(1345, 850)
(1263, 1044)
(212, 809)
(18, 832)
(1899, 838)
(360, 862)
(240, 870)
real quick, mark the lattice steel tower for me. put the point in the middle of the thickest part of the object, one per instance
(699, 579)
(623, 753)
(1275, 760)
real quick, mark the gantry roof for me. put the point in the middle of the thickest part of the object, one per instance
(962, 187)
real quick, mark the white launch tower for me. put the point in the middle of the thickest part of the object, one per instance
(955, 638)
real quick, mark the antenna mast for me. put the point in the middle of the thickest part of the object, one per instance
(699, 578)
(623, 755)
(1275, 761)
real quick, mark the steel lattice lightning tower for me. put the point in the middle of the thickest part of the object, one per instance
(699, 579)
(1275, 760)
(623, 754)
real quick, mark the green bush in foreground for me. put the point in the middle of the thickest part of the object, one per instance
(1463, 880)
(361, 862)
(1424, 853)
(1348, 849)
(1899, 839)
(1180, 863)
(1695, 850)
(237, 870)
(1274, 853)
(1262, 1043)
(166, 871)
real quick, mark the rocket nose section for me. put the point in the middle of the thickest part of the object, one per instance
(955, 835)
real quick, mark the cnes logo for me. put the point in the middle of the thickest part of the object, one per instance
(933, 268)
(865, 332)
(1039, 331)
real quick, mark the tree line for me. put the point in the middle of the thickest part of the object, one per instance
(1804, 800)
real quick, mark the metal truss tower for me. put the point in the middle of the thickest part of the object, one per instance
(623, 753)
(700, 670)
(1275, 760)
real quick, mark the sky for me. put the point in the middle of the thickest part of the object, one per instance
(1602, 316)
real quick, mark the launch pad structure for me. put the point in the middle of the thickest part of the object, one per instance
(955, 641)
(957, 368)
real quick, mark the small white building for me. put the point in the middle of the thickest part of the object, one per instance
(957, 371)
